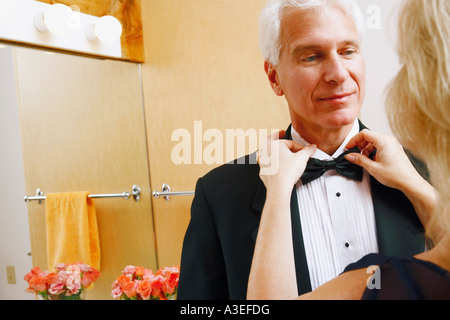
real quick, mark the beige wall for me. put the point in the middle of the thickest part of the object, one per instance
(202, 64)
(381, 60)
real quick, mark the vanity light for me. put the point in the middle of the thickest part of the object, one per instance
(57, 26)
(107, 29)
(56, 19)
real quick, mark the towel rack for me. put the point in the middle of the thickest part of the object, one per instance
(126, 195)
(167, 193)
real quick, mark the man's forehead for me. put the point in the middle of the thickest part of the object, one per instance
(314, 27)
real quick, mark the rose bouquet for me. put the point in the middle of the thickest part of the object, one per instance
(67, 283)
(139, 283)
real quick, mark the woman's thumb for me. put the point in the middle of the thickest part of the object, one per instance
(360, 160)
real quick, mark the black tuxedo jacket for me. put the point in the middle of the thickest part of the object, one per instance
(225, 215)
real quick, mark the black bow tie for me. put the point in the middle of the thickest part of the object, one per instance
(316, 168)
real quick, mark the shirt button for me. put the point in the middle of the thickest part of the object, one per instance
(338, 194)
(347, 244)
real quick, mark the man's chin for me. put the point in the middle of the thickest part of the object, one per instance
(340, 121)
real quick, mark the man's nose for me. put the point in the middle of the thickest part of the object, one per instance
(335, 70)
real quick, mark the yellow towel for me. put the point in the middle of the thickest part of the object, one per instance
(72, 232)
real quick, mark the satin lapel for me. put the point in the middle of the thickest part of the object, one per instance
(301, 266)
(361, 126)
(380, 212)
(399, 232)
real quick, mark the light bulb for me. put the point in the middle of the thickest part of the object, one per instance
(107, 29)
(55, 19)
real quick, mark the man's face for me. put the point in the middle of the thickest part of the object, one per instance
(321, 71)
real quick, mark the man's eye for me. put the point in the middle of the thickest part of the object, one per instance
(349, 52)
(310, 59)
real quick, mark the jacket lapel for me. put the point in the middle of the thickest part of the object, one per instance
(301, 266)
(399, 231)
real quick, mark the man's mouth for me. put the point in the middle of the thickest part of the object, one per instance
(338, 98)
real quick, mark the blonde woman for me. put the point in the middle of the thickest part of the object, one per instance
(419, 110)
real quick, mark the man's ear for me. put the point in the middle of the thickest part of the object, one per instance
(272, 74)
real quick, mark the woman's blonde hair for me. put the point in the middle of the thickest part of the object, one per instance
(417, 99)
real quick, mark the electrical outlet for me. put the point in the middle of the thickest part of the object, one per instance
(11, 274)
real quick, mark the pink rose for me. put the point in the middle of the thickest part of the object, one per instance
(56, 288)
(129, 270)
(44, 274)
(61, 267)
(63, 275)
(73, 268)
(148, 274)
(165, 271)
(116, 290)
(84, 267)
(73, 284)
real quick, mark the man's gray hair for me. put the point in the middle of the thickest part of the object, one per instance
(271, 15)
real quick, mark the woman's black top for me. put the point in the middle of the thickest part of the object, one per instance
(403, 279)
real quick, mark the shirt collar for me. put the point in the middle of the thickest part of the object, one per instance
(319, 153)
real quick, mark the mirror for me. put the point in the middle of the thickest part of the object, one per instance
(77, 125)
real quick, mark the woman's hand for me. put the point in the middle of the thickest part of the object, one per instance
(283, 162)
(390, 166)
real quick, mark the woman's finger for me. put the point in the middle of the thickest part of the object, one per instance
(368, 149)
(308, 151)
(362, 139)
(277, 135)
(361, 160)
(293, 146)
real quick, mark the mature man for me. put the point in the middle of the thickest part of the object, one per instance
(312, 52)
